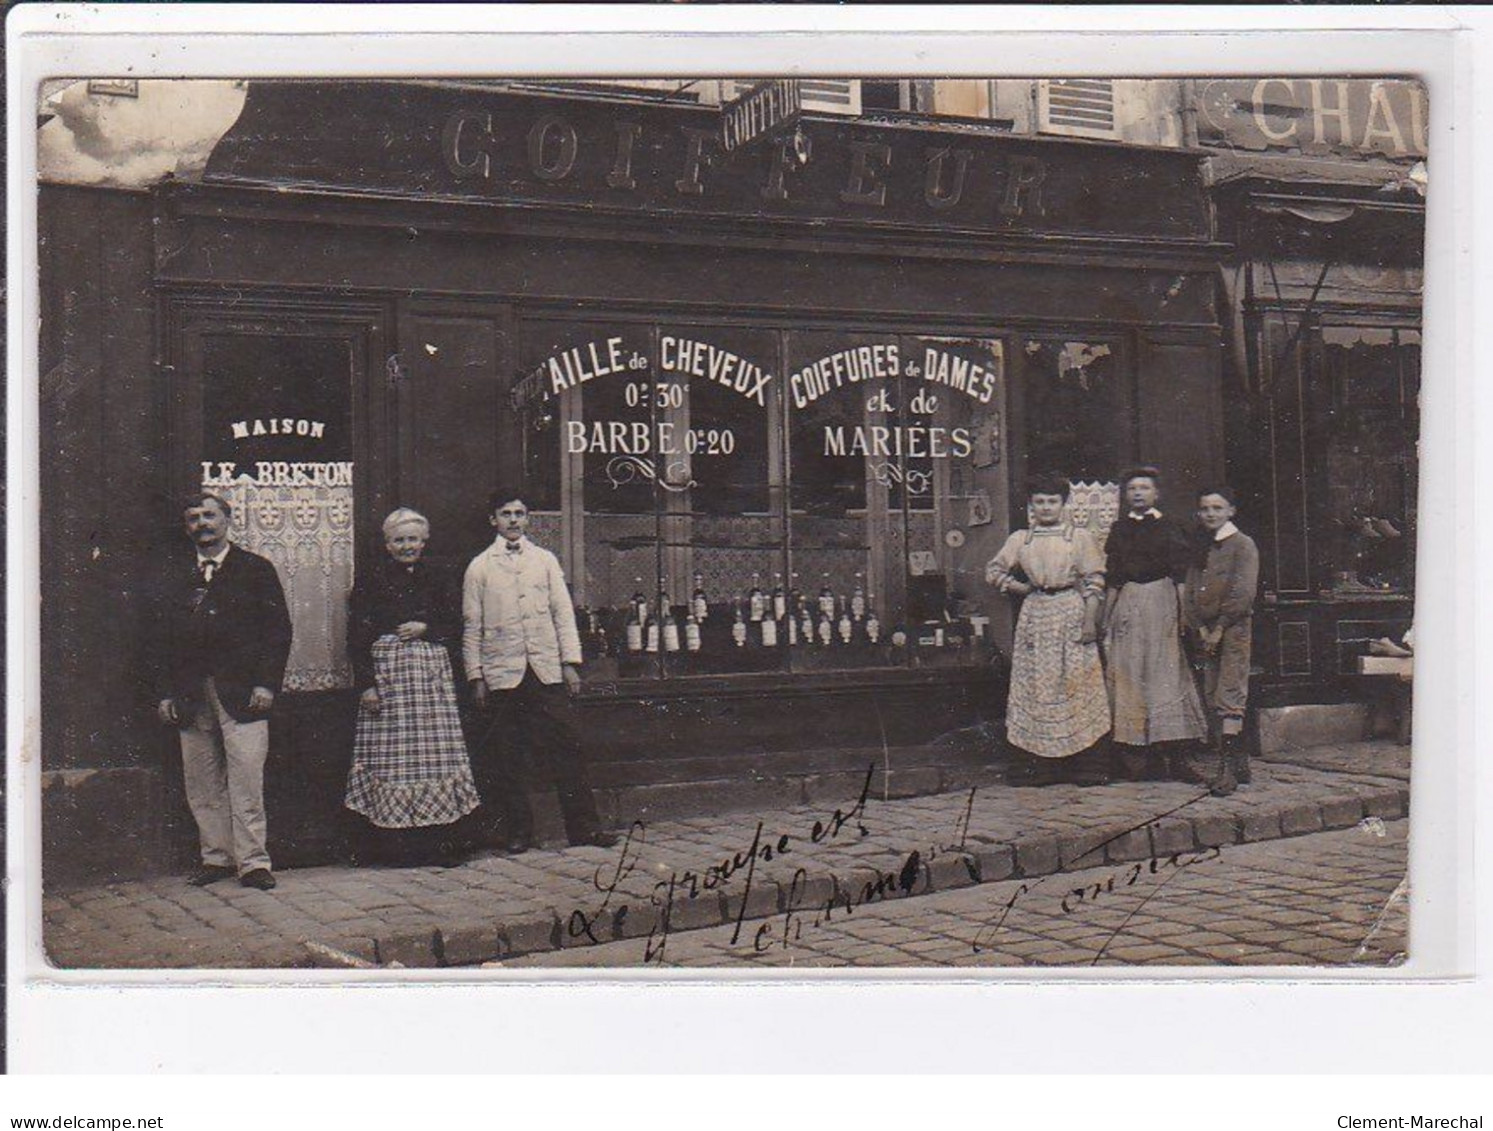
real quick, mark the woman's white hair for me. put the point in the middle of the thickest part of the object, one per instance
(405, 516)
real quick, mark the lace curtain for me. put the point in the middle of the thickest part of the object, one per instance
(1091, 506)
(308, 533)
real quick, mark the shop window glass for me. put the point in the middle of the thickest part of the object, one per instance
(729, 386)
(827, 414)
(665, 459)
(883, 482)
(288, 475)
(1076, 417)
(588, 409)
(1366, 433)
(746, 499)
(725, 535)
(950, 416)
(835, 386)
(542, 463)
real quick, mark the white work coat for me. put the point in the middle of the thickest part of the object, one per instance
(516, 614)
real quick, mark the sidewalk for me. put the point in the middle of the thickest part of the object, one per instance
(684, 874)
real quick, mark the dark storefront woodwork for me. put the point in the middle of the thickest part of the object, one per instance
(1337, 496)
(1325, 297)
(1320, 187)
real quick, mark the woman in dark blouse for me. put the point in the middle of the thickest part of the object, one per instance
(410, 778)
(1152, 693)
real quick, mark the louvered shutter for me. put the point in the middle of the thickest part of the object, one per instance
(1085, 107)
(820, 96)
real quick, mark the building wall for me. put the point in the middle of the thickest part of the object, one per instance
(963, 98)
(111, 790)
(1146, 111)
(102, 481)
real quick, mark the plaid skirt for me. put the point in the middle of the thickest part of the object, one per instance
(410, 767)
(1058, 704)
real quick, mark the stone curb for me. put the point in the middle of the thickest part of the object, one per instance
(1040, 854)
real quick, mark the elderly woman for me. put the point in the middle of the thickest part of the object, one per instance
(410, 778)
(1157, 709)
(1058, 706)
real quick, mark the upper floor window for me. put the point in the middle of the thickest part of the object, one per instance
(819, 96)
(1085, 107)
(886, 94)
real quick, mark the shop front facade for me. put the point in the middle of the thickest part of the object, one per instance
(1322, 195)
(774, 409)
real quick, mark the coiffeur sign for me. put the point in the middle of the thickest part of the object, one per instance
(608, 157)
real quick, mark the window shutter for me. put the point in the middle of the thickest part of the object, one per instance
(832, 96)
(820, 96)
(1085, 107)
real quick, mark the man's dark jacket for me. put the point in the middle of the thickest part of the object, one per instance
(235, 629)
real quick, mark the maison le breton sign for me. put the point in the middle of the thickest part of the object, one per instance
(277, 473)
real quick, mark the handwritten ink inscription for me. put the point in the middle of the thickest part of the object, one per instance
(811, 902)
(609, 918)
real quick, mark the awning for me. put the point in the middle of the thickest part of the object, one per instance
(1306, 172)
(1325, 213)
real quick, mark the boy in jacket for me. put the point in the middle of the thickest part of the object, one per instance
(522, 655)
(1218, 605)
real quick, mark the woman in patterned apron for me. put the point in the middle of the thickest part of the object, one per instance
(1058, 706)
(410, 776)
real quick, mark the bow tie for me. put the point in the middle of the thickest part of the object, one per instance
(207, 568)
(513, 547)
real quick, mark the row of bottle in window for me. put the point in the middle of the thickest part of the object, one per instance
(756, 619)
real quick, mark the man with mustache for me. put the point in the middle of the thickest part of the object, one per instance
(226, 640)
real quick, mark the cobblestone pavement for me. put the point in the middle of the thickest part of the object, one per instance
(700, 872)
(1333, 898)
(1383, 759)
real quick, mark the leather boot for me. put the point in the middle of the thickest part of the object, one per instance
(1223, 782)
(1236, 752)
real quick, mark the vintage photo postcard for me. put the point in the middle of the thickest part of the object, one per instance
(774, 523)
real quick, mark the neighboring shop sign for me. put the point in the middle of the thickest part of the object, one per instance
(1387, 116)
(434, 142)
(764, 108)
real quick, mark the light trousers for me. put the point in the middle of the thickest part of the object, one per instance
(1226, 677)
(223, 765)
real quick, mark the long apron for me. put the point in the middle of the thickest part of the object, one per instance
(1058, 704)
(410, 766)
(1151, 689)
